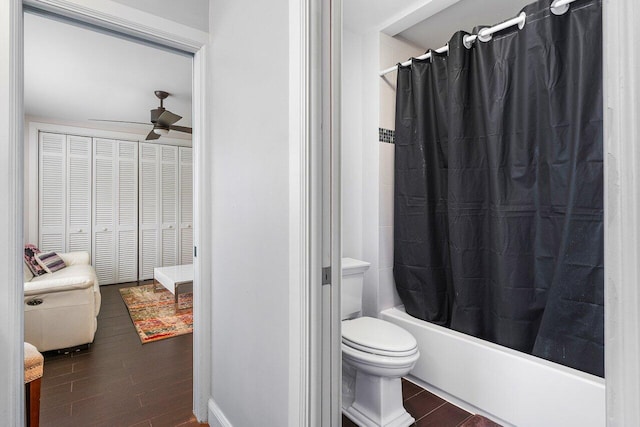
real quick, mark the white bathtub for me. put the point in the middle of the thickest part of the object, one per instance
(513, 388)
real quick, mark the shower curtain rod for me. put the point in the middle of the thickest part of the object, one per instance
(557, 7)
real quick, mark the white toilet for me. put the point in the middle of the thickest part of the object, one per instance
(375, 355)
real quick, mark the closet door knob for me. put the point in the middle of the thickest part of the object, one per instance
(79, 230)
(171, 226)
(189, 226)
(105, 229)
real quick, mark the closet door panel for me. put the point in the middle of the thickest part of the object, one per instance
(78, 211)
(104, 210)
(127, 246)
(169, 205)
(186, 246)
(149, 226)
(127, 212)
(103, 256)
(185, 204)
(169, 246)
(52, 192)
(149, 243)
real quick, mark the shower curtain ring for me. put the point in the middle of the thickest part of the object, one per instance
(484, 35)
(558, 10)
(468, 40)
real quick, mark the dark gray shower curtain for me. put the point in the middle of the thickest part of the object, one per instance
(499, 187)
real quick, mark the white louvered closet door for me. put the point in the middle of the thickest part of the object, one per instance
(78, 203)
(149, 225)
(52, 192)
(127, 212)
(169, 205)
(104, 210)
(185, 191)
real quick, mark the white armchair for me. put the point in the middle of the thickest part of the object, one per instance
(61, 308)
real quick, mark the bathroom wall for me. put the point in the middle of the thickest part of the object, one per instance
(392, 51)
(370, 169)
(368, 116)
(352, 145)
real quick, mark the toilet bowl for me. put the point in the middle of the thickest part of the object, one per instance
(375, 355)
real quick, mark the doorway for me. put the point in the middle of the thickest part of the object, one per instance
(111, 17)
(124, 198)
(397, 18)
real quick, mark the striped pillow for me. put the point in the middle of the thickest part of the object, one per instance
(30, 252)
(50, 261)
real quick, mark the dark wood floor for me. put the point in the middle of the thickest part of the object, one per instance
(118, 381)
(430, 410)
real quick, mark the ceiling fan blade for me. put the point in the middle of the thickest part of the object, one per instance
(180, 128)
(118, 121)
(167, 118)
(152, 135)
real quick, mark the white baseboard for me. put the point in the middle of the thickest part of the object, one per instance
(216, 416)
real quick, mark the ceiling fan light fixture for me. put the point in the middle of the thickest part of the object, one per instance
(161, 131)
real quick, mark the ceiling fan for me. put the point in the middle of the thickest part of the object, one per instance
(162, 119)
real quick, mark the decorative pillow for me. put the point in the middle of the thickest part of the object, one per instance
(50, 261)
(30, 252)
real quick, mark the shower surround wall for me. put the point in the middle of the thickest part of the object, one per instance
(368, 104)
(392, 50)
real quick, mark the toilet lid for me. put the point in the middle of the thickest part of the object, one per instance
(378, 336)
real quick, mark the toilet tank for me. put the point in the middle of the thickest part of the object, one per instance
(352, 280)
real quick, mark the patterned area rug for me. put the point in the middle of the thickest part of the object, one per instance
(154, 312)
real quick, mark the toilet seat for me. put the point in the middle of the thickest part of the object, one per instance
(378, 337)
(378, 361)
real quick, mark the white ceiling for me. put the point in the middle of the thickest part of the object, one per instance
(426, 23)
(75, 74)
(365, 15)
(192, 13)
(437, 30)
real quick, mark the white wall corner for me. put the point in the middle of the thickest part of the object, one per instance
(370, 169)
(11, 194)
(202, 236)
(622, 211)
(216, 416)
(298, 213)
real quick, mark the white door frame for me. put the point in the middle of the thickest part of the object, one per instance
(11, 211)
(314, 195)
(128, 21)
(622, 211)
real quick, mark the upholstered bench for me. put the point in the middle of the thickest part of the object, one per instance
(33, 369)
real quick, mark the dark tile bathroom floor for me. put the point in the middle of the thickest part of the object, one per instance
(430, 410)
